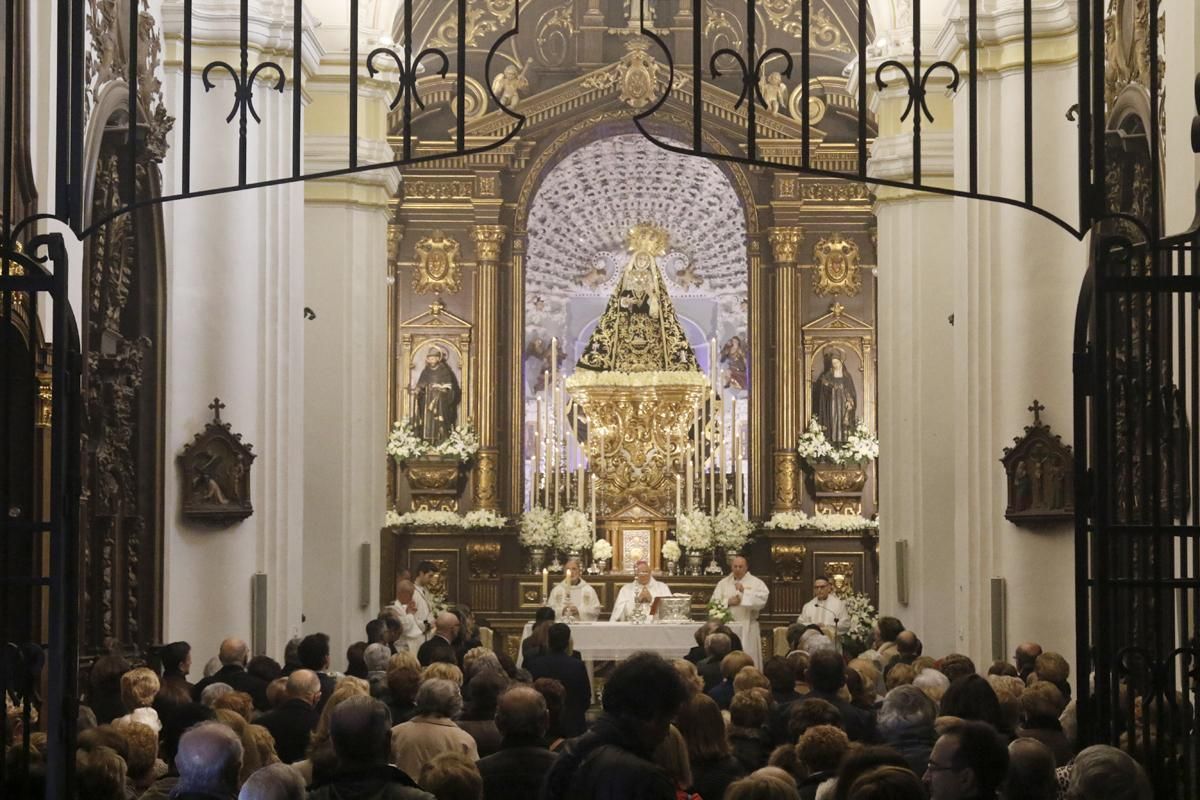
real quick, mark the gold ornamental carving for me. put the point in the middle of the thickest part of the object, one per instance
(438, 270)
(841, 575)
(837, 266)
(433, 482)
(840, 505)
(787, 483)
(789, 561)
(487, 495)
(785, 244)
(431, 189)
(488, 241)
(828, 478)
(637, 76)
(824, 33)
(483, 559)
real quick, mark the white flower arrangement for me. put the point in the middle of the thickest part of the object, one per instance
(404, 444)
(587, 377)
(718, 610)
(574, 530)
(797, 520)
(862, 622)
(670, 550)
(731, 530)
(446, 519)
(538, 528)
(602, 550)
(860, 446)
(694, 530)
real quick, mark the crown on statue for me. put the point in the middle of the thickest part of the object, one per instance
(648, 238)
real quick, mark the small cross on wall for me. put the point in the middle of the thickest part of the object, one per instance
(216, 405)
(1037, 409)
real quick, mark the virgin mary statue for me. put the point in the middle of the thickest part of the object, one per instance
(639, 331)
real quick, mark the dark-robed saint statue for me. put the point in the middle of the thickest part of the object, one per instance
(834, 400)
(438, 395)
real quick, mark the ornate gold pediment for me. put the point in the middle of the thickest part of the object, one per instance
(838, 320)
(438, 270)
(837, 266)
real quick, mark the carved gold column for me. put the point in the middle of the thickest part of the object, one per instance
(489, 240)
(785, 247)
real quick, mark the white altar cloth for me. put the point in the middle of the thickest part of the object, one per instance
(613, 641)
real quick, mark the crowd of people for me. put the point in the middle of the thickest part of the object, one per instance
(421, 714)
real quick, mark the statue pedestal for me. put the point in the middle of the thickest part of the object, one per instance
(838, 488)
(434, 482)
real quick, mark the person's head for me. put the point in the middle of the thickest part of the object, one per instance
(447, 625)
(794, 632)
(689, 675)
(345, 689)
(734, 663)
(303, 684)
(798, 662)
(210, 693)
(314, 652)
(100, 773)
(933, 683)
(403, 683)
(559, 637)
(813, 641)
(784, 757)
(376, 630)
(865, 677)
(443, 670)
(887, 629)
(356, 665)
(483, 691)
(738, 567)
(748, 709)
(142, 749)
(758, 786)
(234, 652)
(438, 697)
(703, 728)
(641, 573)
(907, 644)
(956, 665)
(717, 645)
(404, 591)
(644, 692)
(1002, 668)
(572, 571)
(826, 671)
(376, 657)
(1101, 772)
(478, 659)
(905, 709)
(138, 688)
(404, 659)
(265, 668)
(521, 713)
(543, 614)
(968, 761)
(809, 713)
(898, 675)
(452, 776)
(392, 624)
(426, 572)
(239, 703)
(972, 697)
(704, 630)
(822, 586)
(555, 695)
(859, 761)
(887, 783)
(1052, 667)
(1025, 657)
(178, 719)
(750, 678)
(291, 651)
(1041, 701)
(672, 756)
(360, 730)
(176, 657)
(779, 674)
(273, 782)
(1030, 774)
(821, 747)
(209, 759)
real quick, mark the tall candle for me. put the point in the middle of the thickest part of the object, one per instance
(712, 362)
(545, 584)
(537, 453)
(690, 468)
(697, 448)
(737, 465)
(722, 453)
(595, 522)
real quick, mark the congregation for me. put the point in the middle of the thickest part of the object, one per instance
(423, 710)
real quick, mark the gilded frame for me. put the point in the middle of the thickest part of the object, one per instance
(839, 329)
(436, 326)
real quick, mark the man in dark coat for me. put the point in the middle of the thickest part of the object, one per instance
(615, 758)
(826, 675)
(440, 646)
(716, 646)
(517, 770)
(209, 762)
(293, 722)
(313, 653)
(571, 673)
(233, 655)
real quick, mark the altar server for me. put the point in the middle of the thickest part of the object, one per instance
(412, 612)
(826, 609)
(746, 595)
(574, 598)
(644, 589)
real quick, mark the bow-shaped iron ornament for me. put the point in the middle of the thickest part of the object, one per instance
(408, 71)
(916, 91)
(750, 78)
(243, 85)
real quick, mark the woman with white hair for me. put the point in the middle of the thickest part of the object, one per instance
(432, 730)
(1101, 772)
(905, 723)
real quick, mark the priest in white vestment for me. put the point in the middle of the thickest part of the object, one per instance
(746, 596)
(825, 609)
(644, 589)
(413, 611)
(574, 598)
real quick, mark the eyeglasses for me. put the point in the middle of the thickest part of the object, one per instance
(934, 767)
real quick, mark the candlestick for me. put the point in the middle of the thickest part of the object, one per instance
(697, 448)
(545, 585)
(690, 468)
(595, 521)
(721, 452)
(544, 430)
(737, 462)
(712, 363)
(537, 453)
(678, 492)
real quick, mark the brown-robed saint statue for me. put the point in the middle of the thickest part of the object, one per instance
(438, 395)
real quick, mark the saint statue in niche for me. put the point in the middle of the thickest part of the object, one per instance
(834, 399)
(438, 395)
(734, 359)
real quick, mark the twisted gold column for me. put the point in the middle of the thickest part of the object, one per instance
(785, 247)
(489, 239)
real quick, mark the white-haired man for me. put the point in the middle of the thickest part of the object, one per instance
(644, 589)
(745, 595)
(574, 598)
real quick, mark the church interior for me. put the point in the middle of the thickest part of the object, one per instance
(303, 300)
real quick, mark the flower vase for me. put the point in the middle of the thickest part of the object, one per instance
(694, 561)
(537, 559)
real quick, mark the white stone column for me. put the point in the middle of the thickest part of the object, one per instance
(345, 357)
(234, 294)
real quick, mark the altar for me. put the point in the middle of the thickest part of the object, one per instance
(614, 641)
